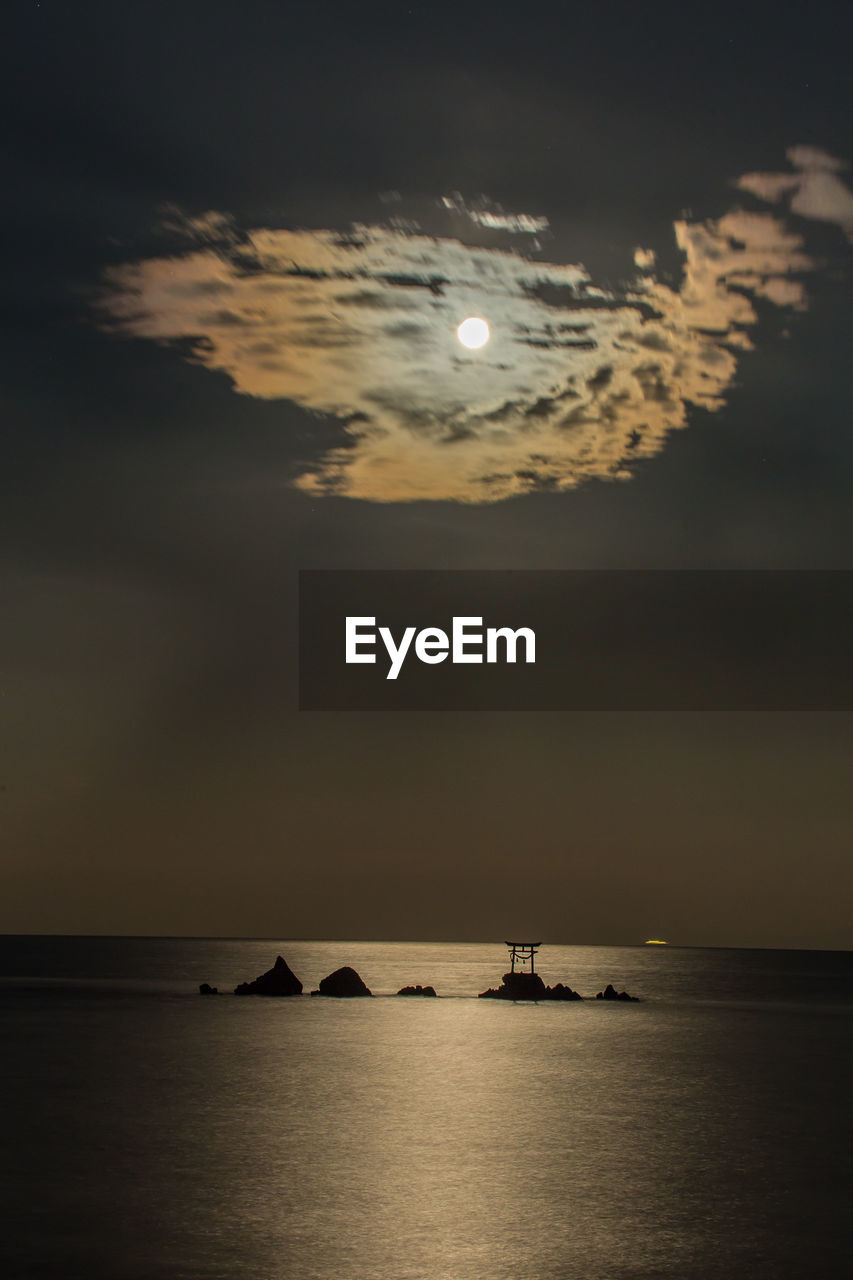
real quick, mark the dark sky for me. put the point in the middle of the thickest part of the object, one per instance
(158, 497)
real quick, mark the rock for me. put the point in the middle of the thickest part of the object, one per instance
(207, 990)
(562, 993)
(416, 991)
(528, 986)
(277, 981)
(610, 993)
(343, 982)
(517, 986)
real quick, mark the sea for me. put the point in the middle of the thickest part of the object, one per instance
(701, 1134)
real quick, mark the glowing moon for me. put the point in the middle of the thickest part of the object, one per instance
(473, 333)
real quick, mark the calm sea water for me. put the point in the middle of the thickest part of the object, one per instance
(150, 1133)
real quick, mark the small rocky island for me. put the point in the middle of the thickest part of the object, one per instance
(528, 986)
(280, 980)
(343, 982)
(525, 984)
(610, 993)
(416, 991)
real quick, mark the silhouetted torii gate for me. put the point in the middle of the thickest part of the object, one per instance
(522, 952)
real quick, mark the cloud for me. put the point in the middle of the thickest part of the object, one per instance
(815, 189)
(493, 217)
(577, 382)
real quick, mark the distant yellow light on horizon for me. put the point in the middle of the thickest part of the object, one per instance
(656, 942)
(473, 333)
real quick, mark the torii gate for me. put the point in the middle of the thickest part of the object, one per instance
(522, 952)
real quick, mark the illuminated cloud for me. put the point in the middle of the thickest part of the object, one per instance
(493, 218)
(576, 381)
(815, 189)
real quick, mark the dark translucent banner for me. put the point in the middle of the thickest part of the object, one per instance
(575, 640)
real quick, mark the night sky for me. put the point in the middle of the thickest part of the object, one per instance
(237, 241)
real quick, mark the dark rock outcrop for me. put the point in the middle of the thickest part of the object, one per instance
(528, 986)
(280, 980)
(517, 986)
(562, 993)
(416, 991)
(206, 989)
(343, 982)
(610, 993)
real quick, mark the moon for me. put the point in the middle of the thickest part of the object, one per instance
(473, 333)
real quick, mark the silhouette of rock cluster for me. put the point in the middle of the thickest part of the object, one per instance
(610, 993)
(561, 992)
(280, 980)
(528, 986)
(343, 982)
